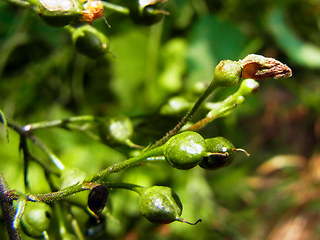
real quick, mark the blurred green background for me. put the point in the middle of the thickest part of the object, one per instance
(270, 195)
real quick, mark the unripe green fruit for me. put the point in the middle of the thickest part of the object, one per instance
(89, 41)
(175, 106)
(160, 205)
(116, 130)
(222, 153)
(59, 14)
(36, 219)
(185, 150)
(227, 73)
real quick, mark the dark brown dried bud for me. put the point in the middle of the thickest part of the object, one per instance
(259, 67)
(97, 199)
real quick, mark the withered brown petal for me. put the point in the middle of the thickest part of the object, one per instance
(259, 67)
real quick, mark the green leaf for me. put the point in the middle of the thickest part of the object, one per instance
(212, 40)
(303, 53)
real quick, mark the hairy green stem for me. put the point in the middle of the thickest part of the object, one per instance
(7, 209)
(188, 116)
(220, 109)
(89, 182)
(131, 162)
(59, 195)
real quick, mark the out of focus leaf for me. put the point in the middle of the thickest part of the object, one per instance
(303, 53)
(212, 40)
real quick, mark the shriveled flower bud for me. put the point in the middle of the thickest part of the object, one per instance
(97, 199)
(259, 67)
(92, 10)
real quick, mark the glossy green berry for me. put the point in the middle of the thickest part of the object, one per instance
(58, 13)
(185, 150)
(89, 41)
(227, 73)
(222, 152)
(160, 205)
(36, 219)
(116, 130)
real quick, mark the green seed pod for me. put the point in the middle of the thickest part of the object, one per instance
(175, 106)
(227, 73)
(36, 219)
(59, 13)
(89, 41)
(160, 205)
(222, 152)
(116, 130)
(185, 150)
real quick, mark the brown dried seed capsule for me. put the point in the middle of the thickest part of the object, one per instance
(259, 67)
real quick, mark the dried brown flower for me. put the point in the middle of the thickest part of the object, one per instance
(259, 67)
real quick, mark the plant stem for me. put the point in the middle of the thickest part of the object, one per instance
(24, 4)
(24, 147)
(116, 8)
(129, 186)
(59, 195)
(7, 209)
(89, 182)
(37, 142)
(188, 116)
(131, 162)
(59, 123)
(220, 109)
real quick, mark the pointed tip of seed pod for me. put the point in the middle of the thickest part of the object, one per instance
(259, 67)
(184, 221)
